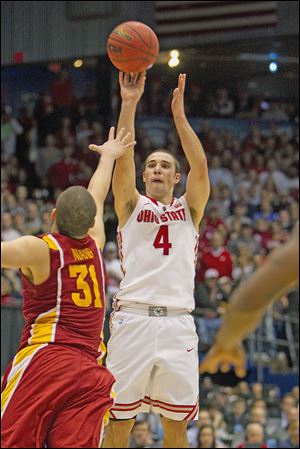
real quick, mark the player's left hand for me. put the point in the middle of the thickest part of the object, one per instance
(114, 147)
(177, 105)
(222, 359)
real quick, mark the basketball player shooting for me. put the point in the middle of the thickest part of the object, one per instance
(152, 350)
(56, 393)
(248, 304)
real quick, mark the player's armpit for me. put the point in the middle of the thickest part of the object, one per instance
(125, 208)
(24, 252)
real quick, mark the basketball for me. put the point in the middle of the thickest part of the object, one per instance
(132, 47)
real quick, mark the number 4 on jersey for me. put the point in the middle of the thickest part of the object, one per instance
(162, 240)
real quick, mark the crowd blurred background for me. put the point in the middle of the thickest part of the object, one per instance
(50, 114)
(252, 209)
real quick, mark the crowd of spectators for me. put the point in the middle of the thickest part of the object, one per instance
(207, 101)
(252, 209)
(233, 417)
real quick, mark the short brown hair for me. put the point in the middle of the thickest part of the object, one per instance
(163, 150)
(75, 211)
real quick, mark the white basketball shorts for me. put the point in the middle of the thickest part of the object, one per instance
(155, 363)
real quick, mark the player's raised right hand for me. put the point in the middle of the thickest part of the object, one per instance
(132, 86)
(114, 146)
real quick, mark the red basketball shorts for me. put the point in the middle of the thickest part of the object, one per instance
(56, 396)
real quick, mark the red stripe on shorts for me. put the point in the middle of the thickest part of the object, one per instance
(192, 413)
(193, 416)
(112, 414)
(129, 403)
(127, 407)
(188, 408)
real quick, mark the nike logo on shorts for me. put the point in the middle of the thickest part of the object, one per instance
(189, 350)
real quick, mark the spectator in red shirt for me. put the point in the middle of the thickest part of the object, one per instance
(211, 224)
(262, 232)
(217, 257)
(62, 91)
(62, 174)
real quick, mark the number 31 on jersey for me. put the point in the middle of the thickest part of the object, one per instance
(85, 298)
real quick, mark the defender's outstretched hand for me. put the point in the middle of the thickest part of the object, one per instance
(222, 359)
(114, 147)
(132, 86)
(177, 105)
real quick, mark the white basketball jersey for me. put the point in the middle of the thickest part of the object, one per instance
(157, 248)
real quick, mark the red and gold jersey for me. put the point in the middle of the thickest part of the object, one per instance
(68, 308)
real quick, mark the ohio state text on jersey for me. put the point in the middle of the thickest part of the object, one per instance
(157, 250)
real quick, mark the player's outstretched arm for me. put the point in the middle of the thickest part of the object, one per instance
(249, 303)
(124, 184)
(197, 186)
(110, 151)
(25, 252)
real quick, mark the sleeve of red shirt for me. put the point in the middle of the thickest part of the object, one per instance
(229, 265)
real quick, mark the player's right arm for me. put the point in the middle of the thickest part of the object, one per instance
(28, 253)
(123, 183)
